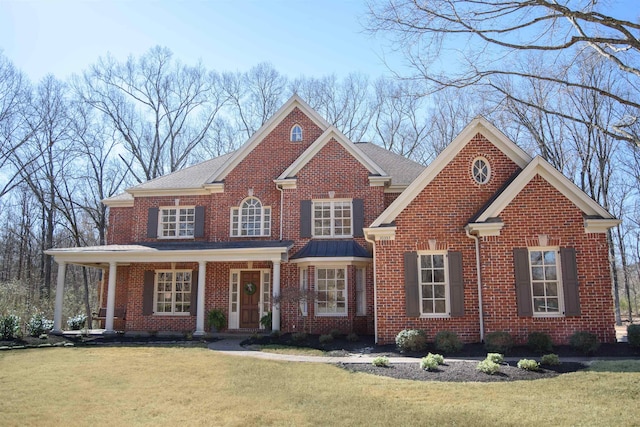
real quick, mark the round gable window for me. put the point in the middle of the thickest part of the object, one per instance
(480, 170)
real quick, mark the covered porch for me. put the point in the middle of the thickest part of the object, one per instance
(110, 257)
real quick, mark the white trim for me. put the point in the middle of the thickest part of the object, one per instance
(558, 281)
(447, 285)
(118, 203)
(483, 229)
(294, 102)
(487, 165)
(234, 316)
(477, 125)
(173, 272)
(236, 227)
(332, 210)
(178, 208)
(597, 225)
(287, 183)
(541, 167)
(380, 233)
(296, 125)
(318, 144)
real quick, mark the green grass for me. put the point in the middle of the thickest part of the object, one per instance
(615, 366)
(193, 386)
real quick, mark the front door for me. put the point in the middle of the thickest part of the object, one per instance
(249, 299)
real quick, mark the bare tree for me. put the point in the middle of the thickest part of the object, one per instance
(161, 109)
(473, 42)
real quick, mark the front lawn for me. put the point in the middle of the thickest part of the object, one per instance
(193, 386)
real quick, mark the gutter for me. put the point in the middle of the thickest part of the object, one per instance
(375, 289)
(479, 279)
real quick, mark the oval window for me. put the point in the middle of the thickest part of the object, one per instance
(480, 170)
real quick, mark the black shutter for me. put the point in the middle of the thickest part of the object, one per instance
(152, 223)
(456, 284)
(194, 293)
(147, 293)
(199, 222)
(358, 217)
(570, 281)
(305, 218)
(411, 292)
(523, 281)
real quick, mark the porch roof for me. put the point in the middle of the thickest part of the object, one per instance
(332, 250)
(245, 250)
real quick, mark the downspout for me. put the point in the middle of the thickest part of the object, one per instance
(281, 190)
(375, 289)
(479, 278)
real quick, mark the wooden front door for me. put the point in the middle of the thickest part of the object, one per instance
(249, 301)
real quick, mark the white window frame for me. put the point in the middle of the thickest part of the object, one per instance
(296, 133)
(234, 294)
(240, 217)
(475, 175)
(361, 291)
(422, 284)
(180, 225)
(332, 204)
(558, 281)
(173, 292)
(344, 292)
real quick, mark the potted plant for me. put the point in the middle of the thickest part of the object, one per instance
(216, 319)
(266, 320)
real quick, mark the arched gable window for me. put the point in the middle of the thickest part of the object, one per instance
(296, 133)
(251, 219)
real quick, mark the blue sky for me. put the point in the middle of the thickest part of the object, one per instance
(303, 37)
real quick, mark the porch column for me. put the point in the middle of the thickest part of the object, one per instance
(57, 313)
(202, 272)
(111, 299)
(275, 320)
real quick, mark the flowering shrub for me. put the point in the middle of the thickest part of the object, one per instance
(9, 326)
(431, 361)
(550, 360)
(528, 365)
(77, 322)
(380, 361)
(488, 367)
(38, 324)
(411, 340)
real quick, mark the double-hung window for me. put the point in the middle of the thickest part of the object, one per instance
(434, 287)
(172, 292)
(177, 222)
(331, 289)
(332, 218)
(546, 282)
(251, 219)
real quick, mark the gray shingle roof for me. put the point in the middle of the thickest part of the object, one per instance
(402, 170)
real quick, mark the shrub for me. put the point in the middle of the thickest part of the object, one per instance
(488, 367)
(298, 336)
(335, 333)
(431, 361)
(633, 335)
(540, 342)
(550, 360)
(495, 357)
(77, 322)
(448, 342)
(498, 342)
(38, 324)
(9, 326)
(584, 341)
(325, 339)
(411, 340)
(528, 365)
(353, 337)
(380, 361)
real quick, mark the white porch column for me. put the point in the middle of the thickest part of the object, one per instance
(57, 314)
(275, 319)
(202, 273)
(111, 299)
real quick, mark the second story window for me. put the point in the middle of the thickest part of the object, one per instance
(296, 133)
(332, 218)
(251, 219)
(177, 222)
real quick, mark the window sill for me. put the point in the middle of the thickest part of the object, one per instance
(435, 316)
(176, 238)
(547, 315)
(172, 314)
(331, 314)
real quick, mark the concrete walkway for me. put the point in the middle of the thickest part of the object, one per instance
(231, 345)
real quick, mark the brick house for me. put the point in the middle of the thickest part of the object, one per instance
(330, 234)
